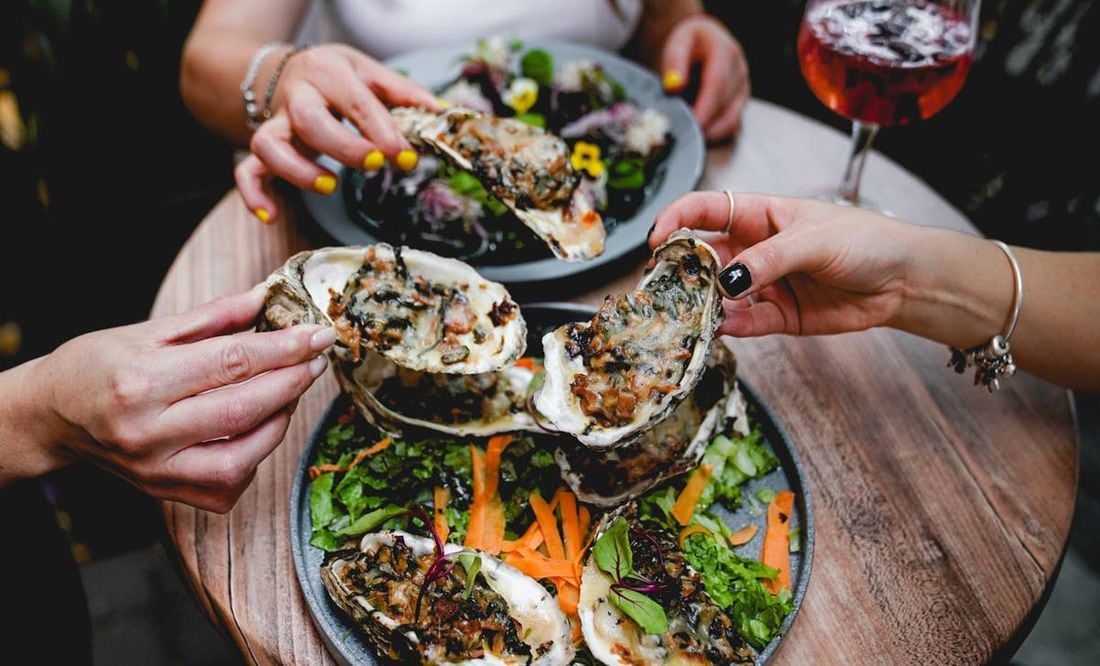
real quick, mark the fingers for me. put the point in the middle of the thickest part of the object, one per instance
(768, 261)
(231, 359)
(238, 408)
(314, 124)
(764, 317)
(676, 57)
(716, 80)
(727, 122)
(254, 184)
(710, 211)
(228, 314)
(392, 88)
(272, 144)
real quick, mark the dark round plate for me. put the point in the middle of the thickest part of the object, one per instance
(346, 644)
(681, 168)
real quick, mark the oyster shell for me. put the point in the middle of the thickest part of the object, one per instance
(419, 310)
(610, 477)
(468, 405)
(620, 374)
(699, 630)
(524, 166)
(509, 618)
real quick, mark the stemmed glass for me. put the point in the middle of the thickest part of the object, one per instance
(882, 63)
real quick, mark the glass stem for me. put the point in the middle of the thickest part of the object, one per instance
(863, 134)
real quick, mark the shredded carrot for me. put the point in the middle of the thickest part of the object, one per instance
(497, 444)
(536, 565)
(585, 520)
(570, 525)
(776, 551)
(684, 508)
(529, 363)
(318, 470)
(545, 517)
(689, 530)
(569, 595)
(743, 535)
(378, 446)
(485, 529)
(440, 497)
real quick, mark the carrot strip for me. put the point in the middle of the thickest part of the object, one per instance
(569, 596)
(689, 530)
(585, 520)
(380, 445)
(776, 551)
(485, 529)
(440, 497)
(570, 525)
(545, 517)
(536, 565)
(529, 363)
(684, 508)
(318, 470)
(477, 467)
(497, 444)
(743, 535)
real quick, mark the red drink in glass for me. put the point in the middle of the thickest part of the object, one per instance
(884, 63)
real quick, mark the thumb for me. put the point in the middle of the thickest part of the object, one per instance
(768, 261)
(676, 58)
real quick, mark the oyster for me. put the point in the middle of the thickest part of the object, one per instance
(524, 166)
(620, 374)
(476, 405)
(610, 477)
(699, 631)
(419, 310)
(508, 617)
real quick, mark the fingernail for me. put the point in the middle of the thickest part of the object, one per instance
(374, 160)
(322, 339)
(325, 184)
(443, 104)
(317, 366)
(262, 215)
(407, 159)
(734, 280)
(672, 80)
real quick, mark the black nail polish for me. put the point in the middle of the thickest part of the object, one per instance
(734, 279)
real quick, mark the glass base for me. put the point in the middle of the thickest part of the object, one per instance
(832, 195)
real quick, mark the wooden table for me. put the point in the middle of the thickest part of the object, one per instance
(942, 511)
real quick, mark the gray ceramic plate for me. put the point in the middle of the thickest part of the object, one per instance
(677, 175)
(346, 644)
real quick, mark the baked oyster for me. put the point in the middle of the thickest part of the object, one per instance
(419, 310)
(610, 477)
(413, 613)
(525, 167)
(698, 630)
(610, 379)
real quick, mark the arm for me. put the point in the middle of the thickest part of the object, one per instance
(815, 268)
(182, 407)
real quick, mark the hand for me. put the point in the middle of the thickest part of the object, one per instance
(811, 267)
(178, 406)
(316, 86)
(724, 82)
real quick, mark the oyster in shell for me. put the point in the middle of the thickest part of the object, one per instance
(508, 618)
(419, 310)
(699, 631)
(610, 477)
(468, 405)
(610, 379)
(524, 166)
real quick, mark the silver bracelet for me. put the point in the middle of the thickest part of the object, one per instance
(251, 110)
(265, 111)
(993, 360)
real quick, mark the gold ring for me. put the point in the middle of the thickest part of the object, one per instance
(729, 220)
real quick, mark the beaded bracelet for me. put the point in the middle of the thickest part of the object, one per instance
(993, 360)
(251, 110)
(265, 113)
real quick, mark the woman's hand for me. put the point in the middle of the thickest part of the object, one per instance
(177, 406)
(319, 86)
(811, 267)
(724, 81)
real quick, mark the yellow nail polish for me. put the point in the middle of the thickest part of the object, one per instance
(407, 159)
(374, 160)
(672, 80)
(442, 103)
(325, 184)
(262, 215)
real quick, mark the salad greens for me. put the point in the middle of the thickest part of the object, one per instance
(614, 557)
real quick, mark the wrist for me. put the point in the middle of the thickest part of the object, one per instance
(957, 289)
(31, 430)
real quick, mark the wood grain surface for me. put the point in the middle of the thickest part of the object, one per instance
(942, 511)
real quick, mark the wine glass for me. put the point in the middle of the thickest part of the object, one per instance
(884, 63)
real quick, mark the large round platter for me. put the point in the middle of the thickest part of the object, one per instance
(677, 175)
(348, 647)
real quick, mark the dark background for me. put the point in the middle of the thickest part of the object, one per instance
(105, 174)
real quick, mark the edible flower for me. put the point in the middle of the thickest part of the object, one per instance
(522, 94)
(586, 157)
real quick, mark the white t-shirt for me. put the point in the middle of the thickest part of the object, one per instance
(385, 28)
